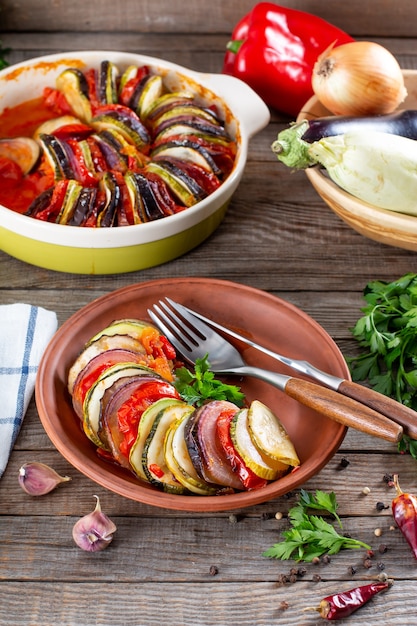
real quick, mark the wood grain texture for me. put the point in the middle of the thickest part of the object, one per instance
(158, 569)
(160, 16)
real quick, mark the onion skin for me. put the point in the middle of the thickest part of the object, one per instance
(358, 78)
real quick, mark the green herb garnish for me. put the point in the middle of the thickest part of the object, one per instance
(201, 385)
(406, 444)
(388, 331)
(3, 53)
(311, 536)
(321, 501)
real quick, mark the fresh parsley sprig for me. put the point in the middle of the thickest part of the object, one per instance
(311, 536)
(321, 501)
(201, 385)
(388, 332)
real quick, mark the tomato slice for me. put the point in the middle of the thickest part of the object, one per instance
(94, 368)
(55, 101)
(130, 412)
(129, 87)
(248, 478)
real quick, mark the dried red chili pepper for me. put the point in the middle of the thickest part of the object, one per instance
(344, 604)
(404, 510)
(274, 48)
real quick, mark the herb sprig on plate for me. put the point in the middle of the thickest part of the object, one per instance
(201, 385)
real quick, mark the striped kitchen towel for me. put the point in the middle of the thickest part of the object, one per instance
(25, 331)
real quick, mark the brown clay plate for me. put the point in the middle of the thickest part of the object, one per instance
(262, 317)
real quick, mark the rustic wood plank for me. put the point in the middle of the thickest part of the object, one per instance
(73, 497)
(191, 546)
(233, 604)
(376, 17)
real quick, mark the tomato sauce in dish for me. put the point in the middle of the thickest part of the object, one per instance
(16, 190)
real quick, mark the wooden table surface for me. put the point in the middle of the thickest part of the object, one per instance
(168, 567)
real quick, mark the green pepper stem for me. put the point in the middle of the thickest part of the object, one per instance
(234, 45)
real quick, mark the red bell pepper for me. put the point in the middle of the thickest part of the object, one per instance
(247, 477)
(274, 49)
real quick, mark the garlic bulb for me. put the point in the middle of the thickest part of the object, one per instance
(37, 479)
(94, 531)
(358, 78)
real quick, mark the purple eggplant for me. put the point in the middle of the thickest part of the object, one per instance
(291, 145)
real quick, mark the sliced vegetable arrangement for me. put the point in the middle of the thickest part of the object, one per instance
(117, 149)
(126, 393)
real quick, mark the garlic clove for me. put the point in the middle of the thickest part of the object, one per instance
(37, 479)
(94, 531)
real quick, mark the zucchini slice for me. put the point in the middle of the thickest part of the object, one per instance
(72, 195)
(181, 185)
(84, 206)
(242, 441)
(153, 457)
(92, 403)
(178, 458)
(127, 123)
(73, 84)
(57, 157)
(187, 151)
(131, 327)
(148, 91)
(188, 109)
(100, 345)
(270, 436)
(166, 101)
(130, 396)
(50, 126)
(107, 82)
(145, 426)
(107, 215)
(145, 203)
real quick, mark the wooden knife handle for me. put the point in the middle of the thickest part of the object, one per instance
(343, 409)
(387, 406)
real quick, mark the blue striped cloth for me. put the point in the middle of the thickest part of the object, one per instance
(25, 331)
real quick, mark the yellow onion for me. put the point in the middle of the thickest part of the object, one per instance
(358, 78)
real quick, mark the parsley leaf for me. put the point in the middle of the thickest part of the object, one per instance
(311, 536)
(387, 333)
(201, 385)
(320, 500)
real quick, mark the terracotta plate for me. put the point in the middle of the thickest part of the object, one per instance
(262, 317)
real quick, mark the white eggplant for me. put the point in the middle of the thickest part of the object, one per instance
(375, 167)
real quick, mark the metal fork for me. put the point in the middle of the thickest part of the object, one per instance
(194, 339)
(396, 411)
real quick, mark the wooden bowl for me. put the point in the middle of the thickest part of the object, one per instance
(388, 227)
(263, 317)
